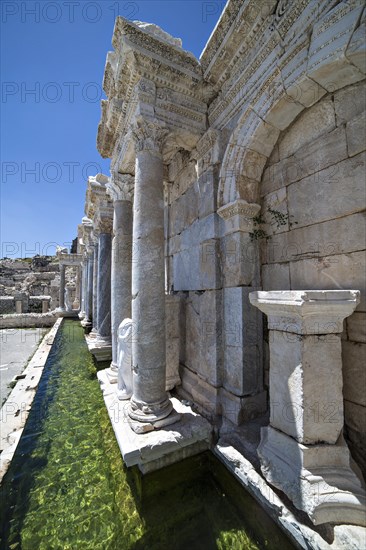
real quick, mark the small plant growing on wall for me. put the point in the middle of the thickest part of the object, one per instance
(277, 218)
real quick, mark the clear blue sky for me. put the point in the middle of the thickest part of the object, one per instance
(52, 62)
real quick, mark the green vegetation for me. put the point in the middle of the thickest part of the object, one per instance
(67, 487)
(277, 219)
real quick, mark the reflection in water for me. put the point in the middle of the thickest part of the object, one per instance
(67, 487)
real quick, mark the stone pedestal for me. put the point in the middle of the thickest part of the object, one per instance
(121, 190)
(302, 452)
(150, 406)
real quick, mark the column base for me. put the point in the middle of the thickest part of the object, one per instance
(145, 417)
(189, 436)
(99, 347)
(112, 374)
(123, 395)
(86, 323)
(81, 315)
(317, 478)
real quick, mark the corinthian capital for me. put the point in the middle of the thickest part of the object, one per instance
(104, 218)
(149, 136)
(121, 187)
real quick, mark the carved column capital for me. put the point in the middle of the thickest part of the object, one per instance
(105, 224)
(149, 136)
(238, 215)
(121, 187)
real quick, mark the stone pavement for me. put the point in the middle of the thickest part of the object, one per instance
(16, 347)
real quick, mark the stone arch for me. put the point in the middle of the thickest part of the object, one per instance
(279, 103)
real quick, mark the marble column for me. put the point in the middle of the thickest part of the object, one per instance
(121, 190)
(87, 321)
(104, 279)
(78, 288)
(94, 330)
(150, 405)
(62, 287)
(83, 287)
(303, 452)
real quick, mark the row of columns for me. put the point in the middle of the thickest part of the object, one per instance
(121, 283)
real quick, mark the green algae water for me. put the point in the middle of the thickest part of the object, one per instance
(67, 487)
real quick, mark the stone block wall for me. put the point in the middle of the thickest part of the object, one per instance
(7, 305)
(316, 178)
(194, 272)
(221, 333)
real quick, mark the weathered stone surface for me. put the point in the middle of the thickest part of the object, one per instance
(150, 402)
(239, 260)
(356, 135)
(303, 405)
(204, 395)
(356, 327)
(302, 452)
(355, 419)
(277, 202)
(196, 265)
(343, 271)
(276, 276)
(207, 186)
(349, 102)
(316, 471)
(242, 341)
(172, 311)
(204, 335)
(327, 191)
(317, 120)
(317, 241)
(346, 537)
(242, 409)
(356, 51)
(190, 435)
(327, 150)
(328, 64)
(354, 372)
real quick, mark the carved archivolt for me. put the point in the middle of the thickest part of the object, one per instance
(302, 74)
